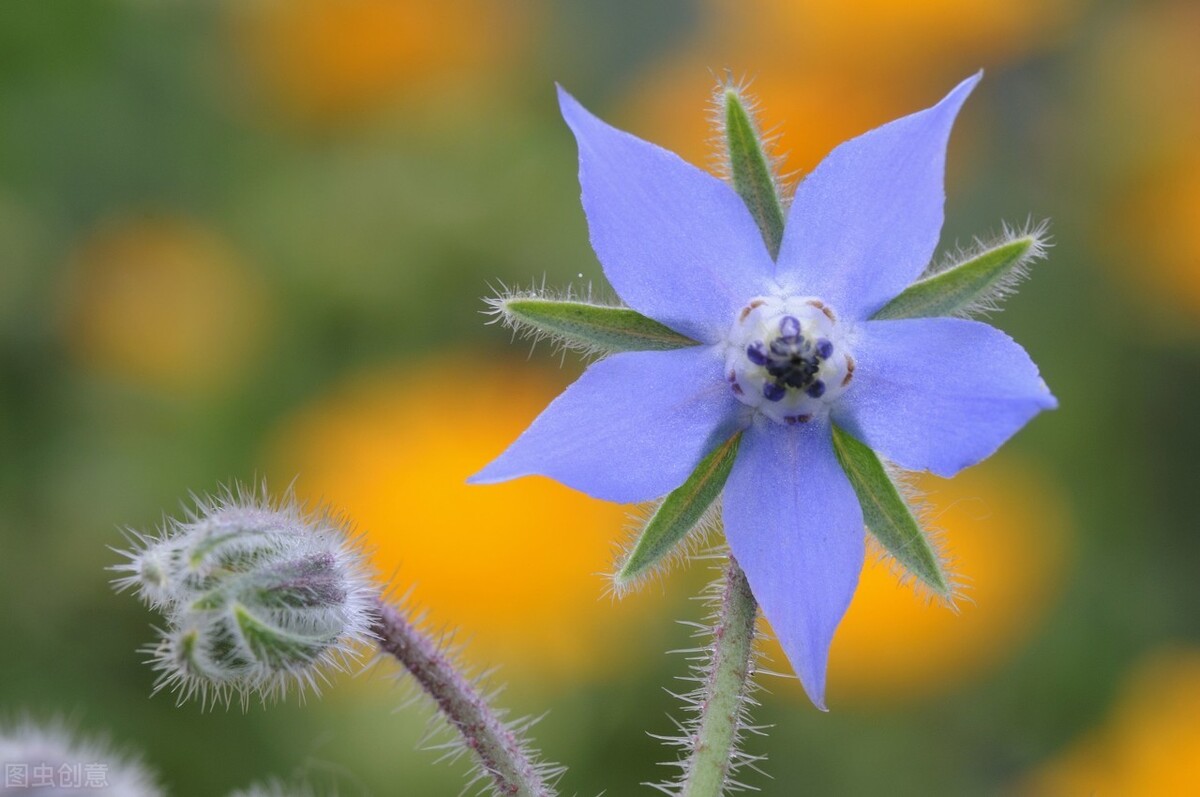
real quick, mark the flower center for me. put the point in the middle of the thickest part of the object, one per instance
(786, 358)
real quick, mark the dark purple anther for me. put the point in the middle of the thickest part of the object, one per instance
(789, 327)
(816, 389)
(774, 392)
(824, 348)
(756, 353)
(782, 347)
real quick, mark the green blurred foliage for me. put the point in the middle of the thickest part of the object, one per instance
(375, 239)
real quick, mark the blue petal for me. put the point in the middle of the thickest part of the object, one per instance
(865, 222)
(794, 525)
(676, 243)
(939, 394)
(631, 429)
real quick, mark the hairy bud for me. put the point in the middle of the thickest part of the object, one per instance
(258, 596)
(276, 788)
(50, 762)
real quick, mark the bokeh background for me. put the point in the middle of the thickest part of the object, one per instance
(244, 240)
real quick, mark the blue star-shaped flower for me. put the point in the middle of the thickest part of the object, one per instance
(786, 348)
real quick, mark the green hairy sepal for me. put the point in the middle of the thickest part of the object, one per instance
(685, 509)
(750, 169)
(588, 327)
(974, 282)
(888, 515)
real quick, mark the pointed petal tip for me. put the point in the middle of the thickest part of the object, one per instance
(813, 682)
(570, 108)
(973, 388)
(630, 429)
(888, 188)
(970, 82)
(783, 535)
(818, 699)
(488, 474)
(958, 95)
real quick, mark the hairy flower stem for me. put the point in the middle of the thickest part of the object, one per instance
(724, 691)
(498, 747)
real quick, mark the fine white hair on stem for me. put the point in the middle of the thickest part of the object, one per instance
(726, 644)
(503, 760)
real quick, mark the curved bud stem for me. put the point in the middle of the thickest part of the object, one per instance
(724, 695)
(499, 748)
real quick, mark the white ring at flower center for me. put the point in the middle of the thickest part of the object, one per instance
(786, 358)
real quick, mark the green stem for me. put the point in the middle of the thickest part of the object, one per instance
(714, 748)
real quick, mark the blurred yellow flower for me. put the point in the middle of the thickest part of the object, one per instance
(513, 567)
(327, 59)
(1143, 80)
(869, 36)
(806, 114)
(1156, 224)
(1006, 531)
(1149, 746)
(824, 72)
(1144, 101)
(162, 303)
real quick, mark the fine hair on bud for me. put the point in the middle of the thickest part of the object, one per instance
(259, 596)
(279, 788)
(51, 760)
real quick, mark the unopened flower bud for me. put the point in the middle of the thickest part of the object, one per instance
(276, 788)
(258, 596)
